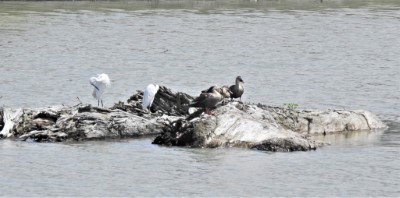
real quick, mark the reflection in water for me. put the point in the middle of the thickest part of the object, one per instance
(351, 138)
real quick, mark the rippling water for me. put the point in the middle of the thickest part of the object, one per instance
(335, 54)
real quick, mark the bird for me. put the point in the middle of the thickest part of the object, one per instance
(100, 83)
(224, 91)
(149, 95)
(237, 89)
(208, 99)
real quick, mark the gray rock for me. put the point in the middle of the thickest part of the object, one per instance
(263, 127)
(322, 122)
(1, 119)
(10, 117)
(165, 102)
(234, 124)
(83, 123)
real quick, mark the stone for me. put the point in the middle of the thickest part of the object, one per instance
(235, 124)
(165, 102)
(83, 123)
(1, 119)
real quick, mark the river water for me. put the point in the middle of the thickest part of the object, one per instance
(334, 54)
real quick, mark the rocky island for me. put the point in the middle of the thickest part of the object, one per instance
(234, 124)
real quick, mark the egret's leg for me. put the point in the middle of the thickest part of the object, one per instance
(98, 102)
(101, 102)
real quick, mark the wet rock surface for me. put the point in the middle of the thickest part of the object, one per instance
(233, 124)
(1, 119)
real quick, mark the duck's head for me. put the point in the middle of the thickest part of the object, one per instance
(239, 79)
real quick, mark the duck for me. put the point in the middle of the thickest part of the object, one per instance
(208, 99)
(237, 89)
(224, 91)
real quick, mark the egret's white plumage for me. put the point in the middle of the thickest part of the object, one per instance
(99, 83)
(148, 96)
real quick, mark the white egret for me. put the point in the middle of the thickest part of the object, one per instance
(99, 83)
(148, 96)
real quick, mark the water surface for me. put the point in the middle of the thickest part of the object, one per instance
(335, 54)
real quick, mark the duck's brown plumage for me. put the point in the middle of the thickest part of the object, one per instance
(207, 99)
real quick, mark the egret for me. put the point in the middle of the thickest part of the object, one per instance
(149, 95)
(99, 83)
(237, 89)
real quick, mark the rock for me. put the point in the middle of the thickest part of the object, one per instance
(263, 127)
(83, 123)
(10, 117)
(234, 124)
(1, 119)
(321, 122)
(165, 102)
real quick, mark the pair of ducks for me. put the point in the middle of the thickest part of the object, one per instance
(211, 97)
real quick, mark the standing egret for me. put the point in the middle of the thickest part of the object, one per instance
(99, 83)
(148, 96)
(237, 89)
